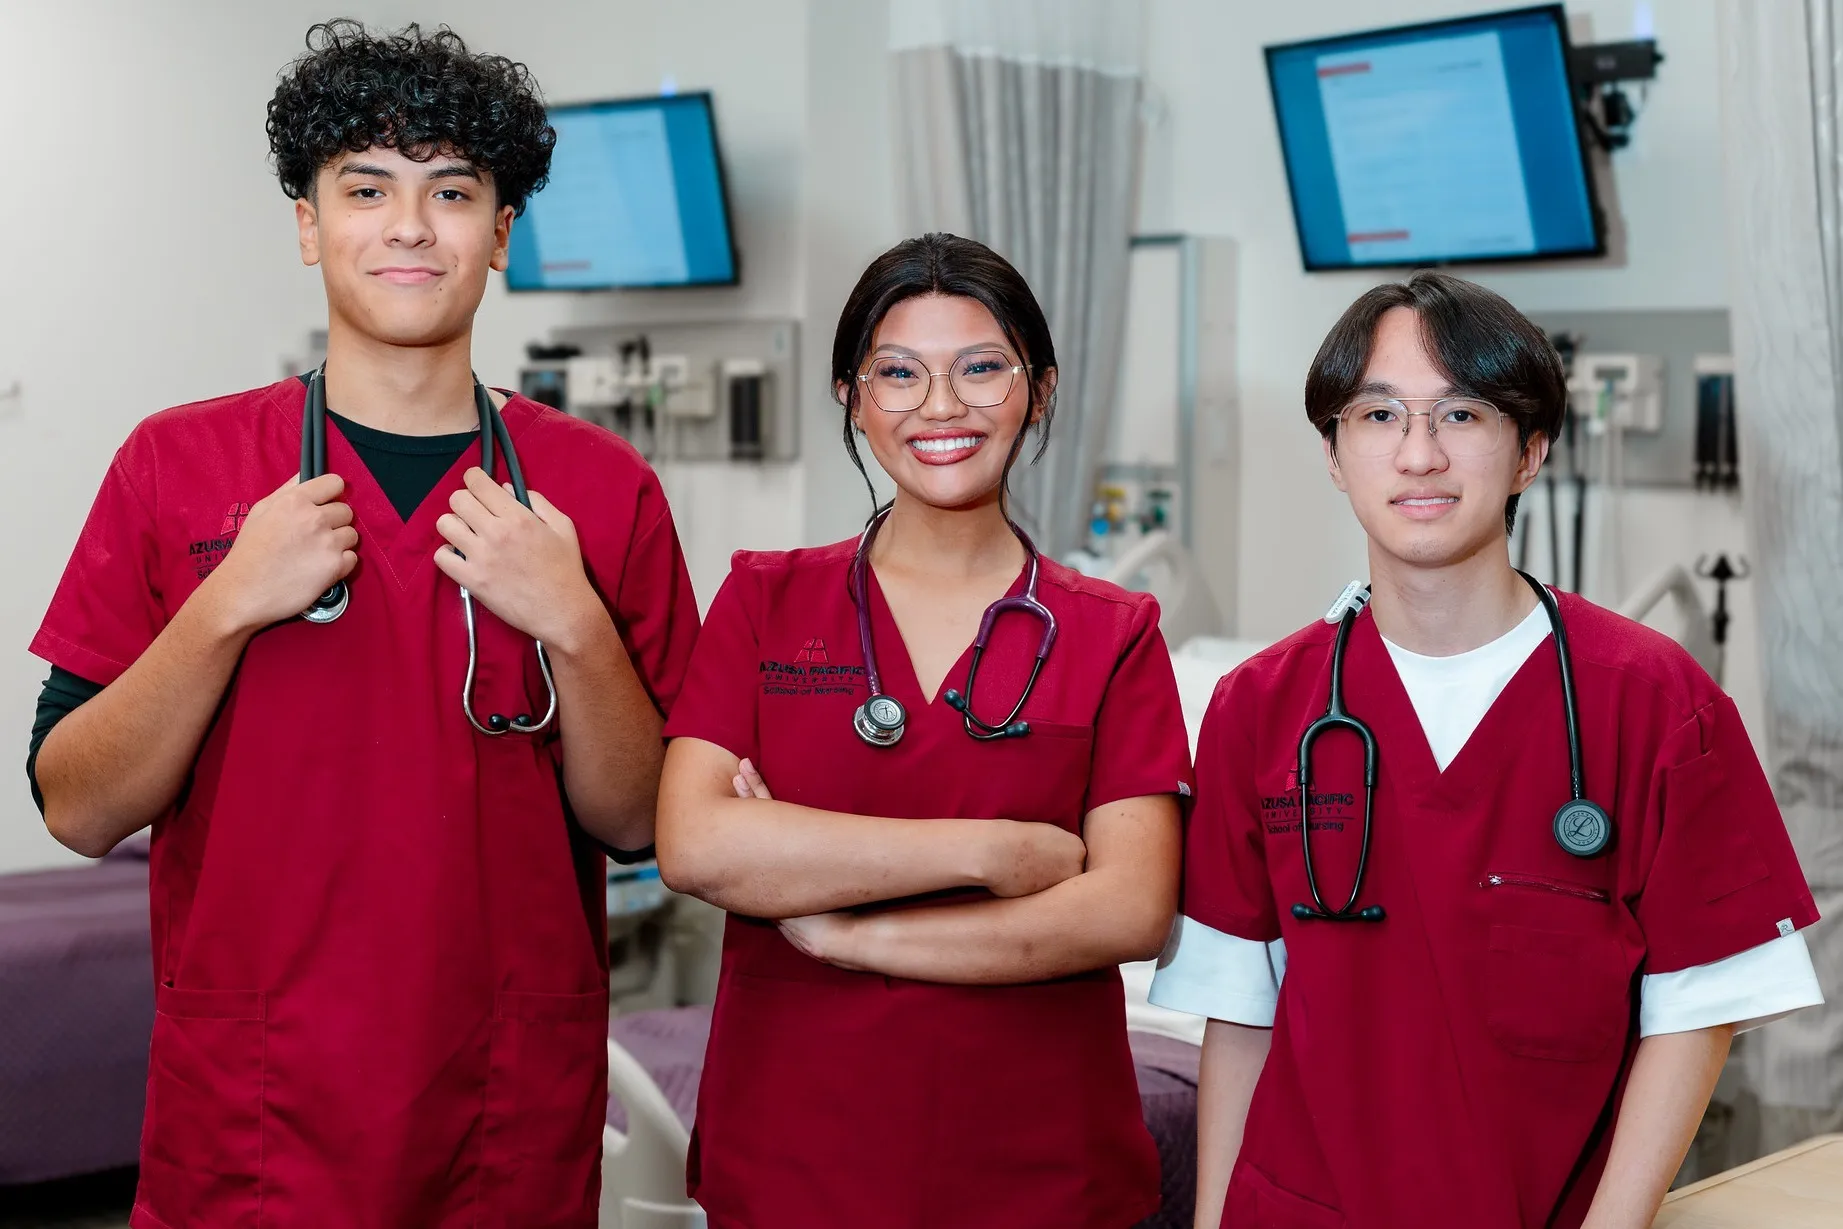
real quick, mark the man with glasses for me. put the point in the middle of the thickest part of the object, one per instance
(1485, 970)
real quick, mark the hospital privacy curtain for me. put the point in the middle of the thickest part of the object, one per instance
(1782, 112)
(1018, 124)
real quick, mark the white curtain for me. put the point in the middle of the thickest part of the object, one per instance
(1781, 118)
(1017, 124)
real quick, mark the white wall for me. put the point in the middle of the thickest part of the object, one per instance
(149, 260)
(1214, 167)
(850, 217)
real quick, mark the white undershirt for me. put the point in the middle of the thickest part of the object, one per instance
(1205, 972)
(1451, 695)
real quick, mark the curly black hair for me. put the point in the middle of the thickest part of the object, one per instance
(422, 94)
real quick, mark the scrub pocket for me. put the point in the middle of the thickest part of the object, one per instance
(1041, 777)
(546, 1096)
(201, 1149)
(1557, 996)
(1255, 1199)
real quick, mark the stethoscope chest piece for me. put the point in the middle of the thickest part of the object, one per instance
(880, 721)
(1583, 828)
(329, 605)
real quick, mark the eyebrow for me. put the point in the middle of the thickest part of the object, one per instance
(1382, 388)
(890, 347)
(447, 170)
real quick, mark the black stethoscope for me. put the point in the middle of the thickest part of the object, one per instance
(331, 604)
(1581, 826)
(881, 720)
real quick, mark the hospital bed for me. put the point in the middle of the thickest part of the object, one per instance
(76, 1014)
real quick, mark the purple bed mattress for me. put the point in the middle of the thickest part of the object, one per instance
(76, 1012)
(670, 1045)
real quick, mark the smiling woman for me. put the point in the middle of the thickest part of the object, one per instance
(877, 1059)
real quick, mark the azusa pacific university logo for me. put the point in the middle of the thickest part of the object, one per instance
(811, 673)
(206, 553)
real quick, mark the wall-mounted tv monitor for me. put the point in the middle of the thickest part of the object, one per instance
(636, 199)
(1448, 142)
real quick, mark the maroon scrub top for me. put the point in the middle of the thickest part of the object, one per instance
(1461, 1062)
(378, 940)
(847, 1099)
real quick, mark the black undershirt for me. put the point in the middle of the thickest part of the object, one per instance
(405, 467)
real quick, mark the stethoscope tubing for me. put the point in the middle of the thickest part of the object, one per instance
(330, 605)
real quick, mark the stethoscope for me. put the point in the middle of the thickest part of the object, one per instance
(881, 720)
(331, 604)
(1581, 826)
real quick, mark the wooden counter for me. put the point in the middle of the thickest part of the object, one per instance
(1800, 1188)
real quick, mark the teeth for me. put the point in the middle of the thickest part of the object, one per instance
(1427, 503)
(946, 445)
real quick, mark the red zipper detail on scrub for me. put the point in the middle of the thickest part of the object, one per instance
(1546, 885)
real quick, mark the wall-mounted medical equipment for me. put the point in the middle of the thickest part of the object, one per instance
(1721, 571)
(711, 391)
(1717, 463)
(636, 199)
(1623, 392)
(1442, 142)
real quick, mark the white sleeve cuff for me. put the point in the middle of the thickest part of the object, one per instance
(1755, 987)
(1205, 972)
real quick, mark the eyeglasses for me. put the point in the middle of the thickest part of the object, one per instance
(1461, 426)
(899, 383)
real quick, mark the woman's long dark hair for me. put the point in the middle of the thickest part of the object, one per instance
(945, 264)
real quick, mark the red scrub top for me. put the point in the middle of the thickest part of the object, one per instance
(1461, 1062)
(835, 1098)
(378, 940)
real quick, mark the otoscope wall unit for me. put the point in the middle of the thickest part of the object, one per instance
(719, 390)
(1636, 371)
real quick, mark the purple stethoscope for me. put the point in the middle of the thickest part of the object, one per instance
(881, 720)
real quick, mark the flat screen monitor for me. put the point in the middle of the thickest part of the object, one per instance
(1453, 141)
(635, 199)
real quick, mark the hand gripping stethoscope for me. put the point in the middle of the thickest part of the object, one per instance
(881, 720)
(331, 604)
(1581, 826)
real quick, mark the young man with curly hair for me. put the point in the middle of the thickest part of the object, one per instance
(378, 916)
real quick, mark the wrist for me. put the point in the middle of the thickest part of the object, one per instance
(849, 943)
(579, 624)
(990, 852)
(219, 606)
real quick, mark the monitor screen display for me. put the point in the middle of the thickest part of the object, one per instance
(1454, 141)
(635, 198)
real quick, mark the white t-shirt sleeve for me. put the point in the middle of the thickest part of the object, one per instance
(1749, 989)
(1205, 972)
